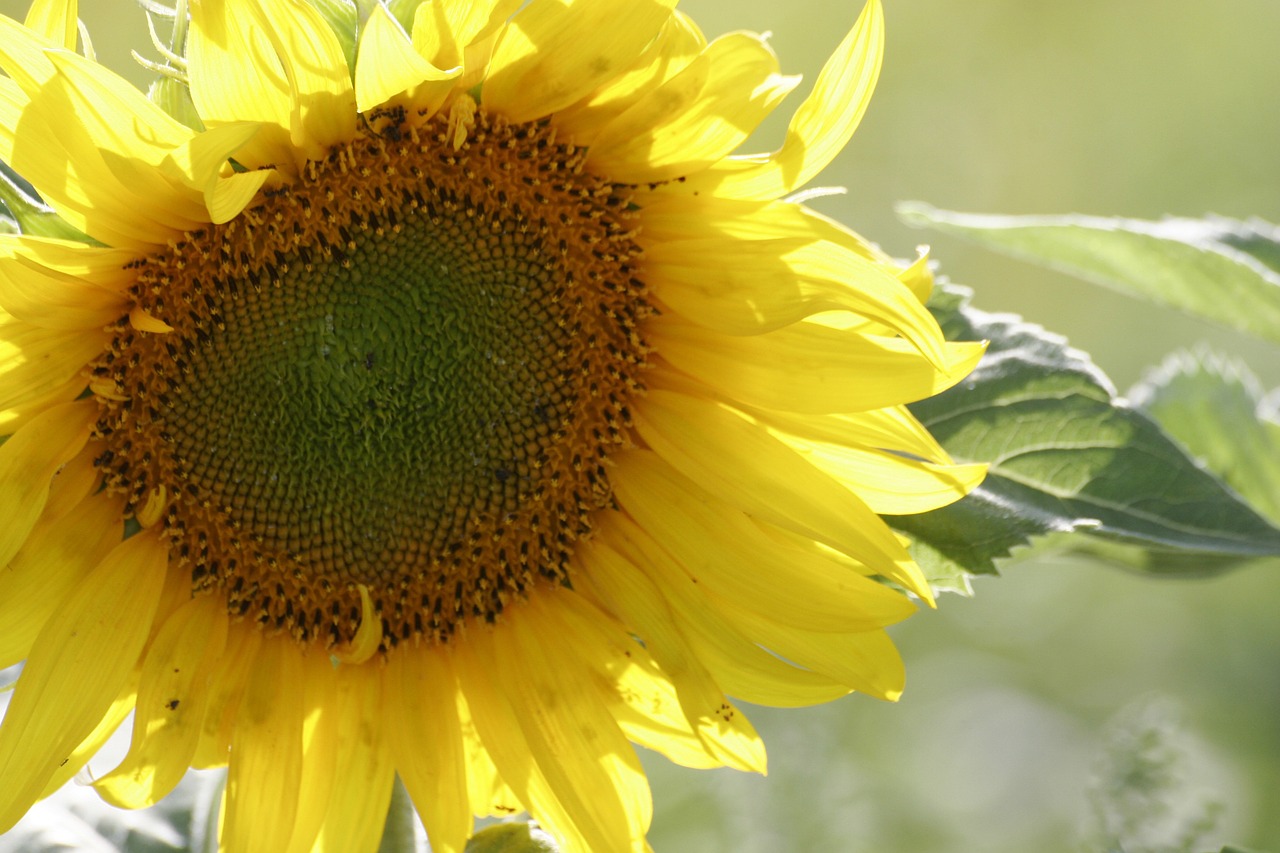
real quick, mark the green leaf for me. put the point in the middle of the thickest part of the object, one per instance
(1219, 269)
(1066, 455)
(1255, 237)
(1211, 406)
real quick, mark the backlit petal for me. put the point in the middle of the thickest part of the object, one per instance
(364, 769)
(422, 723)
(555, 52)
(697, 117)
(78, 664)
(56, 558)
(28, 461)
(821, 126)
(54, 20)
(726, 454)
(387, 65)
(172, 698)
(266, 752)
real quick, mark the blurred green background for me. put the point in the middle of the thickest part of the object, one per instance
(1017, 697)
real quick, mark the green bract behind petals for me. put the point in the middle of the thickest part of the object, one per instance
(343, 17)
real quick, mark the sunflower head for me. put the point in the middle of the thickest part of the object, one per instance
(444, 395)
(450, 355)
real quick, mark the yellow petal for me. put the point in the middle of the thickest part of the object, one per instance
(597, 647)
(23, 53)
(555, 52)
(265, 770)
(820, 128)
(457, 23)
(497, 734)
(143, 321)
(102, 170)
(171, 702)
(81, 757)
(763, 679)
(476, 56)
(893, 429)
(202, 162)
(918, 277)
(364, 771)
(40, 368)
(670, 218)
(51, 299)
(723, 551)
(54, 20)
(723, 733)
(806, 367)
(745, 466)
(651, 715)
(488, 794)
(226, 688)
(747, 287)
(13, 417)
(55, 559)
(101, 266)
(236, 77)
(231, 194)
(697, 117)
(677, 44)
(28, 461)
(739, 665)
(457, 34)
(73, 482)
(322, 112)
(649, 710)
(77, 668)
(623, 661)
(549, 735)
(276, 63)
(322, 721)
(116, 118)
(424, 731)
(889, 483)
(432, 38)
(867, 661)
(387, 65)
(37, 363)
(119, 120)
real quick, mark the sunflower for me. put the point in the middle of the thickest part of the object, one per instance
(444, 398)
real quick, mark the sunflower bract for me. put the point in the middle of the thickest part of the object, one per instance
(472, 411)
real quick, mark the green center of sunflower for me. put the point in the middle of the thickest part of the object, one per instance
(403, 371)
